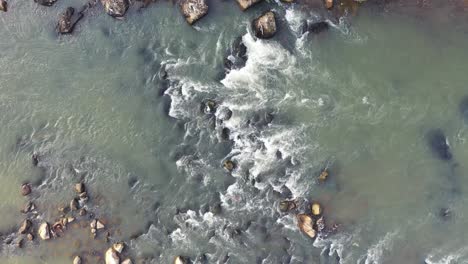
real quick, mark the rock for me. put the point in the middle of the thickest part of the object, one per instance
(265, 25)
(127, 261)
(115, 8)
(99, 225)
(84, 197)
(46, 2)
(93, 224)
(80, 188)
(305, 224)
(74, 205)
(316, 209)
(237, 57)
(328, 4)
(229, 165)
(193, 10)
(57, 228)
(93, 231)
(77, 260)
(25, 189)
(119, 247)
(439, 144)
(323, 176)
(112, 257)
(65, 25)
(320, 223)
(224, 114)
(315, 28)
(44, 231)
(35, 159)
(30, 237)
(285, 206)
(180, 260)
(244, 4)
(20, 243)
(25, 226)
(3, 5)
(82, 212)
(70, 219)
(209, 106)
(28, 207)
(63, 209)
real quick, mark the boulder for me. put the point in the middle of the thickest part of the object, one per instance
(25, 189)
(65, 25)
(3, 5)
(328, 4)
(46, 2)
(316, 209)
(80, 187)
(265, 25)
(305, 224)
(244, 4)
(25, 226)
(112, 257)
(44, 231)
(193, 10)
(209, 106)
(115, 8)
(229, 165)
(77, 260)
(285, 206)
(237, 57)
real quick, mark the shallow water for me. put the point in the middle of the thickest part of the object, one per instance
(358, 99)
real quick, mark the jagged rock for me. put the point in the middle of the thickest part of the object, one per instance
(244, 4)
(112, 257)
(77, 260)
(305, 224)
(65, 25)
(127, 261)
(44, 231)
(80, 187)
(265, 25)
(70, 219)
(3, 5)
(119, 247)
(328, 4)
(46, 2)
(315, 28)
(99, 225)
(180, 260)
(25, 189)
(316, 209)
(20, 243)
(193, 10)
(115, 8)
(25, 226)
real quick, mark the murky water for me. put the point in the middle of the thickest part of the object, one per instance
(117, 106)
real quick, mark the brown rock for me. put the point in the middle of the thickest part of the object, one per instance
(193, 10)
(305, 224)
(25, 226)
(80, 187)
(3, 5)
(328, 4)
(74, 205)
(119, 247)
(25, 189)
(83, 212)
(265, 25)
(244, 4)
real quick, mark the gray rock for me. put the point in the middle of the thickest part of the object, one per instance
(65, 25)
(193, 10)
(46, 2)
(265, 25)
(25, 226)
(115, 8)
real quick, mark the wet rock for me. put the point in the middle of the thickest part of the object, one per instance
(119, 247)
(83, 198)
(320, 223)
(25, 226)
(261, 118)
(74, 205)
(44, 231)
(77, 260)
(323, 176)
(265, 25)
(244, 4)
(80, 188)
(99, 225)
(193, 10)
(65, 25)
(328, 4)
(25, 189)
(209, 106)
(464, 108)
(83, 212)
(225, 132)
(127, 261)
(93, 224)
(315, 28)
(28, 207)
(224, 114)
(63, 209)
(216, 209)
(180, 260)
(316, 209)
(439, 144)
(229, 165)
(3, 5)
(237, 57)
(115, 8)
(112, 257)
(35, 159)
(286, 206)
(305, 224)
(57, 228)
(46, 2)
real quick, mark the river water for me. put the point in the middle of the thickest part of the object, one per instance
(117, 106)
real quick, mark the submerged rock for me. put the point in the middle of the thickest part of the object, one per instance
(25, 189)
(3, 5)
(115, 8)
(439, 144)
(112, 257)
(25, 226)
(119, 247)
(244, 4)
(328, 4)
(193, 10)
(65, 25)
(464, 108)
(74, 205)
(305, 224)
(237, 57)
(315, 28)
(320, 223)
(44, 231)
(265, 25)
(323, 175)
(46, 2)
(80, 187)
(209, 106)
(224, 114)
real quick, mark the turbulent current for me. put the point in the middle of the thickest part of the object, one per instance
(147, 111)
